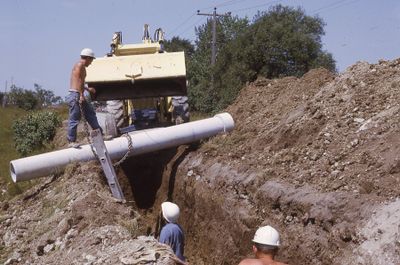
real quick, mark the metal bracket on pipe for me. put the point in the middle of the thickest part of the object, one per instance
(106, 164)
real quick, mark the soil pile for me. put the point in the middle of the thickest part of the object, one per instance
(72, 218)
(316, 157)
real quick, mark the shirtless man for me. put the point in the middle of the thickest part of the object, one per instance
(265, 247)
(76, 97)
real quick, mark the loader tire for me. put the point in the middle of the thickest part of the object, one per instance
(116, 108)
(180, 112)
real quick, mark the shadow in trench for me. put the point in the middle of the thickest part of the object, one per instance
(171, 170)
(181, 153)
(144, 173)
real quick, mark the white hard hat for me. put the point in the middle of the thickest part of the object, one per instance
(267, 235)
(170, 211)
(87, 52)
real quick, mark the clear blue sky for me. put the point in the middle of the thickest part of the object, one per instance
(42, 39)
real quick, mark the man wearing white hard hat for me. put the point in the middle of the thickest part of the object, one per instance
(266, 244)
(76, 99)
(172, 233)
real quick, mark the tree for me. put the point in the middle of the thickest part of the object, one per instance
(177, 44)
(202, 94)
(45, 97)
(29, 100)
(286, 42)
(22, 98)
(280, 42)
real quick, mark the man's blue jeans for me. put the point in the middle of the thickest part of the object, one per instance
(75, 115)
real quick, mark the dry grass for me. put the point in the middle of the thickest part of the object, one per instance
(7, 150)
(131, 225)
(194, 116)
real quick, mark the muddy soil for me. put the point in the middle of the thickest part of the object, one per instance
(316, 157)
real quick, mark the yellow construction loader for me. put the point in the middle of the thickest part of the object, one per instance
(143, 85)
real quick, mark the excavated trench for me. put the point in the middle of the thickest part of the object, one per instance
(148, 180)
(221, 208)
(316, 157)
(218, 214)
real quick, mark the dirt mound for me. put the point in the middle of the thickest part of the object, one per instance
(73, 219)
(317, 157)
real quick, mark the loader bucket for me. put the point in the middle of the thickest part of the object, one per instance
(138, 76)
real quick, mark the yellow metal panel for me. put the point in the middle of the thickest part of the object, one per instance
(138, 67)
(140, 48)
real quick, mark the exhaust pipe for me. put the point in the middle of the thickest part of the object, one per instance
(143, 142)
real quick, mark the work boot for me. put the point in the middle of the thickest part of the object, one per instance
(73, 145)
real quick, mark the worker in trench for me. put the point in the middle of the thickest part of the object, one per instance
(76, 99)
(265, 247)
(172, 233)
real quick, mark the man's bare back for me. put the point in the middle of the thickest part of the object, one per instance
(78, 76)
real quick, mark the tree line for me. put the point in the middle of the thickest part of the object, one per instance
(30, 99)
(282, 41)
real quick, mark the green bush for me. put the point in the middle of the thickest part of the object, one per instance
(34, 130)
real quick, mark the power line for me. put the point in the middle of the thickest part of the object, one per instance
(184, 22)
(334, 5)
(189, 27)
(230, 2)
(252, 7)
(218, 5)
(225, 3)
(328, 6)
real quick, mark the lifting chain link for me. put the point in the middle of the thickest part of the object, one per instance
(130, 149)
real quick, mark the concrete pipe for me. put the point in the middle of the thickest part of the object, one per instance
(143, 142)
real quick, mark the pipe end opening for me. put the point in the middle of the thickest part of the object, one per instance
(13, 174)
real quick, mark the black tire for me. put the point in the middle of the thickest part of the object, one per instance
(180, 113)
(116, 108)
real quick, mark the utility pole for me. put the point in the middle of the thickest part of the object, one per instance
(214, 16)
(5, 96)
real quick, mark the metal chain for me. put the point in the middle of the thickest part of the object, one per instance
(127, 136)
(86, 128)
(130, 149)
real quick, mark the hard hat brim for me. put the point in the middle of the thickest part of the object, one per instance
(266, 245)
